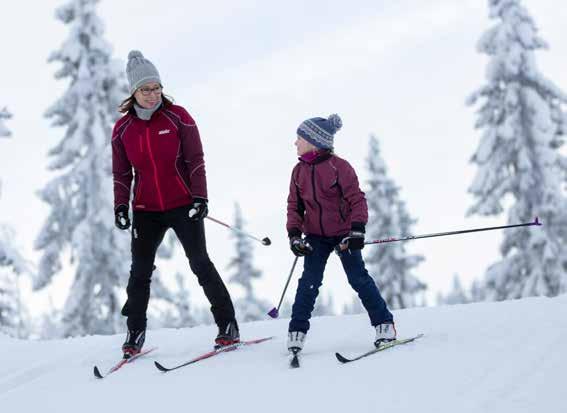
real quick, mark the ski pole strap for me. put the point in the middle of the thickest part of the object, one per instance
(536, 222)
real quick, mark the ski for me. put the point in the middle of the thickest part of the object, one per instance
(121, 363)
(212, 353)
(294, 361)
(385, 346)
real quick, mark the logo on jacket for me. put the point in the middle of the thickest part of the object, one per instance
(163, 132)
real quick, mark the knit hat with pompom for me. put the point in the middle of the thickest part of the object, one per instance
(140, 71)
(320, 132)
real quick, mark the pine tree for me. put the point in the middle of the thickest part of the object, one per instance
(49, 325)
(523, 122)
(324, 306)
(457, 295)
(177, 311)
(182, 302)
(12, 266)
(4, 114)
(354, 306)
(13, 315)
(80, 196)
(390, 265)
(477, 292)
(249, 307)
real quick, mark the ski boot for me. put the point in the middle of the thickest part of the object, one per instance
(228, 335)
(134, 342)
(384, 333)
(295, 341)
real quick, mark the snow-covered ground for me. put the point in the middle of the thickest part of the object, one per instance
(489, 357)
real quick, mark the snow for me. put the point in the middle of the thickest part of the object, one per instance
(489, 357)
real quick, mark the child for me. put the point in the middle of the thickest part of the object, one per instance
(326, 204)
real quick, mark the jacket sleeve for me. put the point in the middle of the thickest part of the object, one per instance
(353, 195)
(193, 156)
(121, 168)
(295, 207)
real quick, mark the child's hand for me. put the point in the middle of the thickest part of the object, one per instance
(354, 241)
(300, 247)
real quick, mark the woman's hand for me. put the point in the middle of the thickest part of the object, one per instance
(198, 209)
(121, 219)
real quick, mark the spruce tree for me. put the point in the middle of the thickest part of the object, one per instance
(79, 232)
(354, 306)
(520, 169)
(457, 295)
(249, 307)
(12, 266)
(390, 265)
(4, 131)
(324, 306)
(173, 307)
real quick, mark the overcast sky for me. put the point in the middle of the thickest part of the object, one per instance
(249, 74)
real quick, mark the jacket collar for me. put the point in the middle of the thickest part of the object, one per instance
(134, 112)
(316, 157)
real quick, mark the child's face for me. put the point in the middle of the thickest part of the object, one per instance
(303, 146)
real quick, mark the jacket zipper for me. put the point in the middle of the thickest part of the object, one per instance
(154, 167)
(316, 201)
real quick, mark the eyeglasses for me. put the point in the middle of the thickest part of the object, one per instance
(146, 91)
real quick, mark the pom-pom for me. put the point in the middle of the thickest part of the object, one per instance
(135, 54)
(335, 121)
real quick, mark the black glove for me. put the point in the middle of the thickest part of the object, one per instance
(355, 238)
(198, 209)
(121, 219)
(299, 246)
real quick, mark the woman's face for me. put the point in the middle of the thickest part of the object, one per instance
(148, 95)
(303, 146)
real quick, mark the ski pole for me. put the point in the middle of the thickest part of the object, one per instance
(275, 312)
(442, 234)
(265, 241)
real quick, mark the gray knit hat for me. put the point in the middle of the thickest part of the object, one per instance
(320, 131)
(140, 71)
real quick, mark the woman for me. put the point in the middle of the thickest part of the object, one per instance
(326, 203)
(157, 143)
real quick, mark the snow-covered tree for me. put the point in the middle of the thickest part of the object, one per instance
(354, 306)
(324, 306)
(12, 266)
(168, 246)
(176, 310)
(182, 302)
(477, 292)
(522, 116)
(457, 295)
(4, 114)
(13, 314)
(249, 307)
(389, 264)
(81, 221)
(49, 325)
